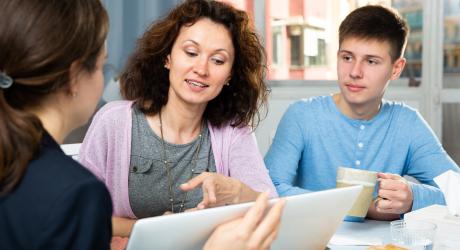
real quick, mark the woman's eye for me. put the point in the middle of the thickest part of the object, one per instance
(191, 53)
(218, 61)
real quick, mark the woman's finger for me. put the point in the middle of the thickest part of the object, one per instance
(269, 225)
(191, 210)
(253, 216)
(210, 186)
(205, 202)
(269, 240)
(195, 182)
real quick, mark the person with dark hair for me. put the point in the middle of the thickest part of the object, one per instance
(358, 128)
(51, 59)
(193, 86)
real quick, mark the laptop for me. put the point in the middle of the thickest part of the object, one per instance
(308, 222)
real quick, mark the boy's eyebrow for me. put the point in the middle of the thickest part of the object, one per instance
(367, 55)
(374, 56)
(344, 51)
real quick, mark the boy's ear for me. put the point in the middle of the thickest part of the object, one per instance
(398, 67)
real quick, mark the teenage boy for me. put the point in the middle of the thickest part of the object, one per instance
(357, 128)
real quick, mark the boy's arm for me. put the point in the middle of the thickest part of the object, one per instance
(426, 195)
(426, 160)
(283, 157)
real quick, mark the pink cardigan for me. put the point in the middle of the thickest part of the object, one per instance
(106, 152)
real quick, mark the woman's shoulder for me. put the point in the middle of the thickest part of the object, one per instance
(53, 177)
(115, 107)
(51, 187)
(65, 171)
(227, 129)
(115, 111)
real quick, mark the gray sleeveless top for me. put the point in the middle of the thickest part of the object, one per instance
(148, 178)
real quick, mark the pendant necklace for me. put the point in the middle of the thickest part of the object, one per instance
(167, 166)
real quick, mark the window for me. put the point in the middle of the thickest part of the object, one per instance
(451, 79)
(307, 47)
(277, 54)
(319, 57)
(295, 37)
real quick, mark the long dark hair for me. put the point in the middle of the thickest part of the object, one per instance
(146, 81)
(39, 41)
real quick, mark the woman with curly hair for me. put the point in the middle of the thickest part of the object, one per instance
(194, 86)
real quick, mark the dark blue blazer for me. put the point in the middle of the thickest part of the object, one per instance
(57, 205)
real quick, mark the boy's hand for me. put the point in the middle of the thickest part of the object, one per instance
(394, 194)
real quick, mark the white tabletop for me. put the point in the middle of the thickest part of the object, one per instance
(355, 235)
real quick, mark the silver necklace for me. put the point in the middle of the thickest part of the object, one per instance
(172, 196)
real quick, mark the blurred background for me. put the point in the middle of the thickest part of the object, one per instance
(301, 41)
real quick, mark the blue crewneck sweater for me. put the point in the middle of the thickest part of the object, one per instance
(314, 138)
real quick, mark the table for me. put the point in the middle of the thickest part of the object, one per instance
(370, 231)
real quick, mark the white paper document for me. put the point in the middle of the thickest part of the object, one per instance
(344, 240)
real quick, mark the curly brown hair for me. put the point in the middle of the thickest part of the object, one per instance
(146, 81)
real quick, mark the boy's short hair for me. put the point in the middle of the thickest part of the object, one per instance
(379, 23)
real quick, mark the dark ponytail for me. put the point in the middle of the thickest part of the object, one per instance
(20, 134)
(39, 41)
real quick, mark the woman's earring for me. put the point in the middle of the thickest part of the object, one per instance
(228, 84)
